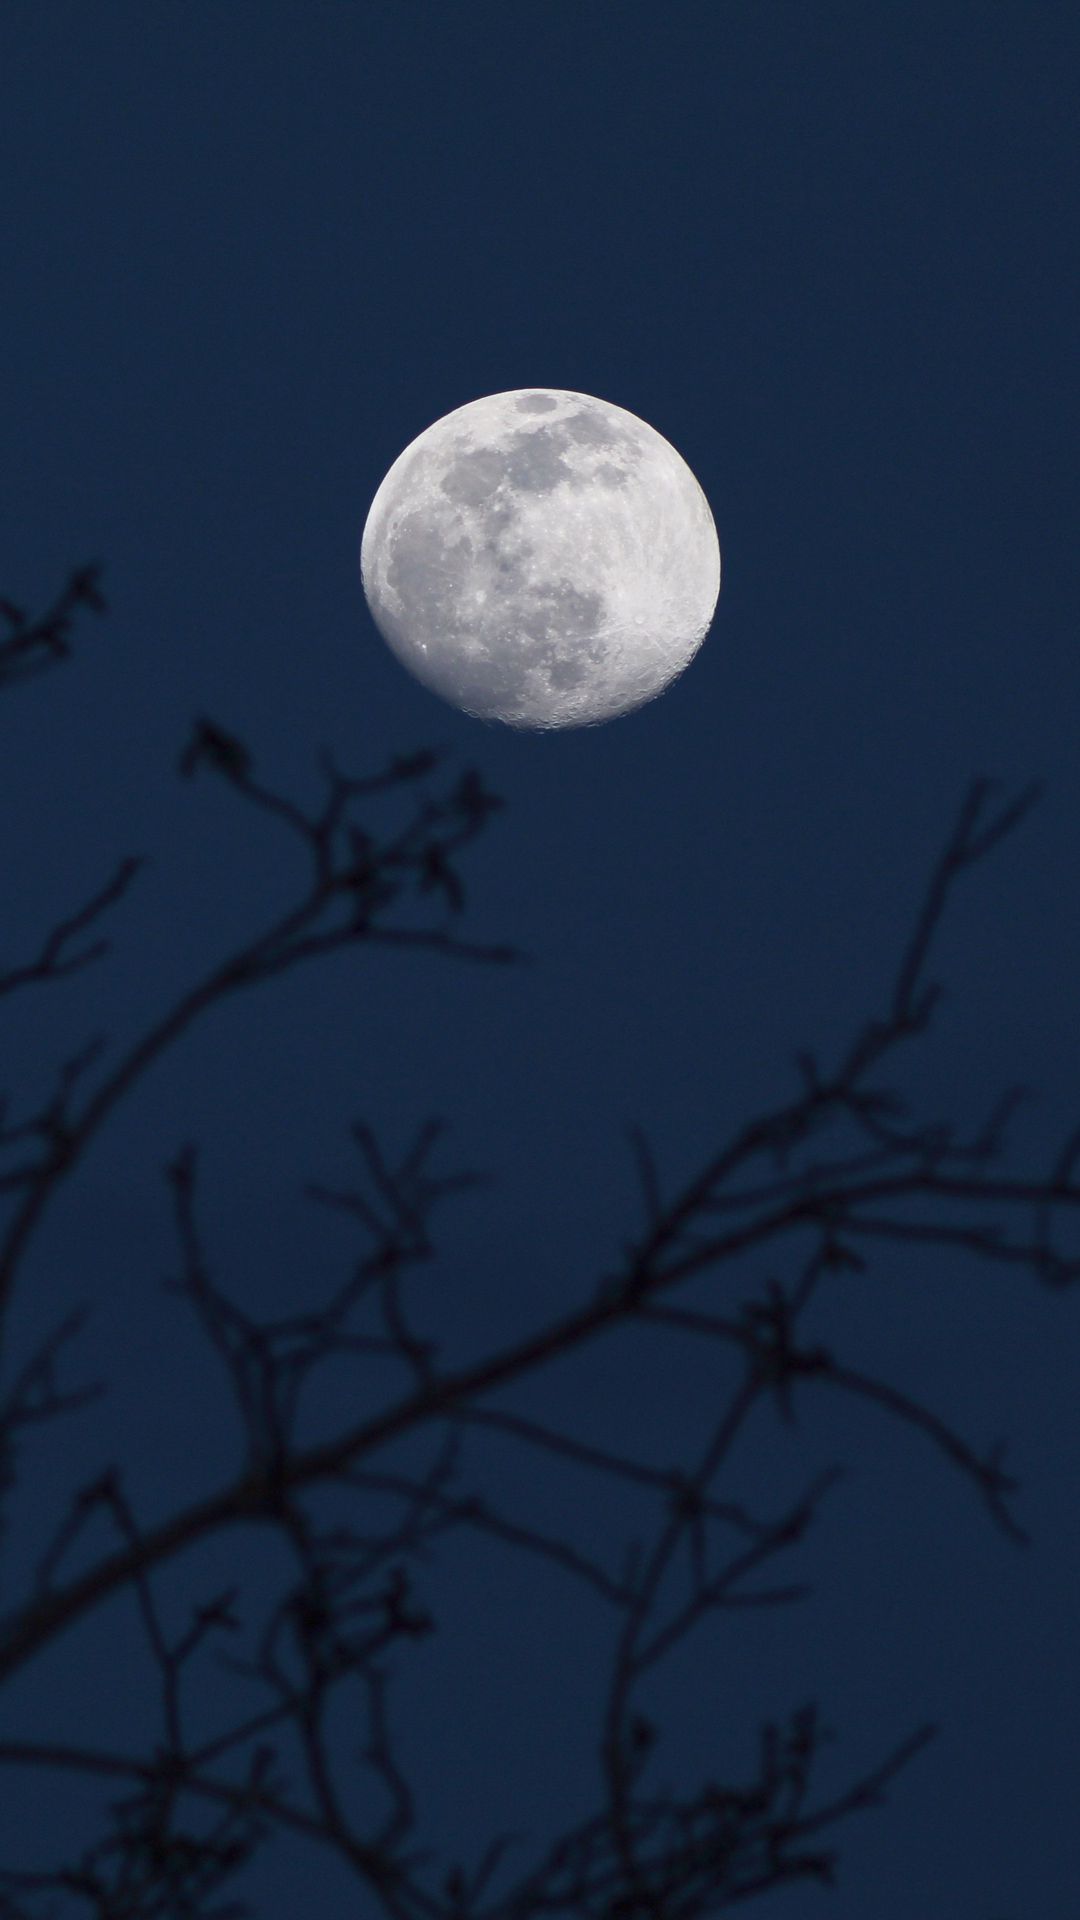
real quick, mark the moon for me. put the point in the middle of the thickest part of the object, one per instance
(541, 558)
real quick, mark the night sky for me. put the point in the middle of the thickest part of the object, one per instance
(250, 251)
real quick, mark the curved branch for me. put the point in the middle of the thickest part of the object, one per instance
(354, 889)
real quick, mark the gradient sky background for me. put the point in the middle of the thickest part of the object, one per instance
(249, 252)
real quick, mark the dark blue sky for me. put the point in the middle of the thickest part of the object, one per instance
(249, 252)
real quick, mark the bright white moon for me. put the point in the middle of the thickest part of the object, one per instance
(541, 558)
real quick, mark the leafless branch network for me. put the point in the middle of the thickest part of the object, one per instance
(736, 1261)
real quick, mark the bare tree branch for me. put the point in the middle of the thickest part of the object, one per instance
(814, 1185)
(355, 880)
(52, 961)
(31, 644)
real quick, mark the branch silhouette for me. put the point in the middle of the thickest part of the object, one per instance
(30, 644)
(813, 1185)
(355, 880)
